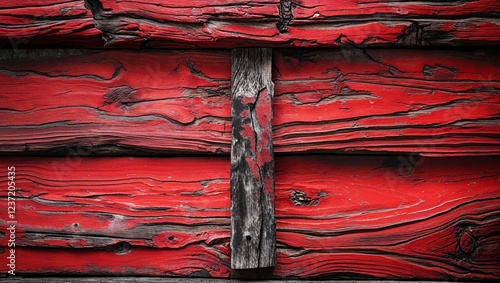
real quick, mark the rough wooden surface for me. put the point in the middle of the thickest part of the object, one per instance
(337, 217)
(433, 102)
(236, 23)
(253, 224)
(56, 23)
(439, 102)
(182, 280)
(415, 23)
(87, 100)
(185, 280)
(302, 23)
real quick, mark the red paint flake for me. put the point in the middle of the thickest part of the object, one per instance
(269, 186)
(245, 100)
(254, 167)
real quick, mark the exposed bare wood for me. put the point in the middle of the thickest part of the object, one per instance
(253, 224)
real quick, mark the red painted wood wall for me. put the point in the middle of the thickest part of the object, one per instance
(116, 116)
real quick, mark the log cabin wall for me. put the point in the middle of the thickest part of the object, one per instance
(117, 118)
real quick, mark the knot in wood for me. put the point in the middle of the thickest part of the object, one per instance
(285, 15)
(121, 94)
(467, 243)
(413, 35)
(300, 198)
(122, 248)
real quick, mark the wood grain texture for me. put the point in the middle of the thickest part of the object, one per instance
(47, 23)
(79, 101)
(439, 102)
(337, 217)
(302, 23)
(253, 223)
(323, 10)
(229, 24)
(387, 100)
(97, 279)
(173, 24)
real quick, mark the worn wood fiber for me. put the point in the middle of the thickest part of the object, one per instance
(381, 217)
(47, 23)
(253, 224)
(302, 23)
(440, 102)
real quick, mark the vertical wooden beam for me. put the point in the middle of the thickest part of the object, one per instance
(253, 224)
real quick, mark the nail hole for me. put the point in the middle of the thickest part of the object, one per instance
(248, 238)
(75, 225)
(171, 238)
(122, 248)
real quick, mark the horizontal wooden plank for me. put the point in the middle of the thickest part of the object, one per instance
(337, 217)
(308, 23)
(229, 24)
(181, 280)
(46, 23)
(346, 100)
(323, 10)
(170, 101)
(387, 100)
(199, 11)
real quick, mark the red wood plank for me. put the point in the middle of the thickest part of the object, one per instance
(173, 101)
(355, 99)
(308, 23)
(346, 100)
(337, 216)
(198, 11)
(172, 24)
(47, 23)
(256, 23)
(323, 10)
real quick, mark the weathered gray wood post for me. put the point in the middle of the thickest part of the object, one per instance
(253, 224)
